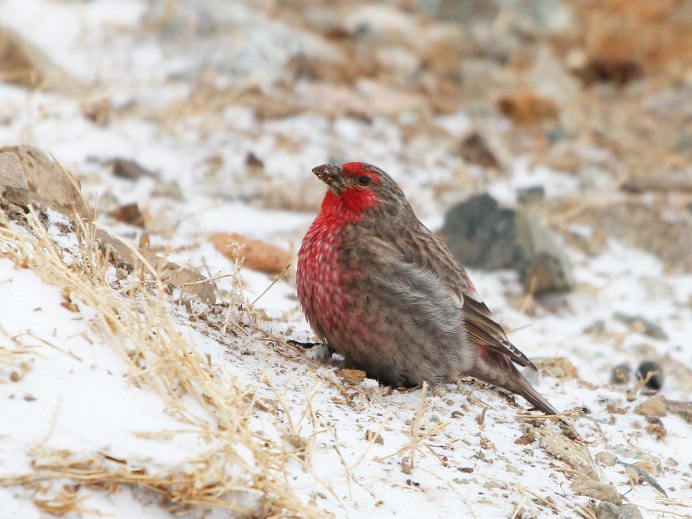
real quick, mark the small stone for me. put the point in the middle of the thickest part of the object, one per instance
(128, 213)
(130, 169)
(606, 458)
(652, 407)
(652, 373)
(641, 325)
(681, 408)
(560, 368)
(528, 195)
(474, 148)
(595, 327)
(353, 375)
(374, 437)
(620, 374)
(656, 428)
(585, 486)
(606, 510)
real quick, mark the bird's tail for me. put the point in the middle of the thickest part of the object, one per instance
(526, 390)
(500, 371)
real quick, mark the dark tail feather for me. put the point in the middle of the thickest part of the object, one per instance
(529, 393)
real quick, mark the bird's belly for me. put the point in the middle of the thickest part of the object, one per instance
(343, 308)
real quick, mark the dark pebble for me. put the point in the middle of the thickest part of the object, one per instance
(656, 379)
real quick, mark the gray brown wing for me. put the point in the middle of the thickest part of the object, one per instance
(481, 327)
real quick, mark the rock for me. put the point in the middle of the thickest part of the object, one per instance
(653, 406)
(557, 367)
(584, 486)
(528, 195)
(606, 510)
(21, 63)
(527, 107)
(480, 234)
(128, 213)
(474, 148)
(677, 181)
(256, 254)
(652, 373)
(98, 112)
(606, 458)
(620, 374)
(190, 282)
(574, 454)
(32, 179)
(595, 327)
(641, 325)
(681, 408)
(13, 185)
(130, 169)
(600, 69)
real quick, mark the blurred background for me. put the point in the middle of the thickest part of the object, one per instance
(548, 141)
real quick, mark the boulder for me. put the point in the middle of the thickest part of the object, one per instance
(483, 235)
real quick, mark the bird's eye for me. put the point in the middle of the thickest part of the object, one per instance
(364, 180)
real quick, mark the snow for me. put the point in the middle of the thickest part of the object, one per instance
(74, 392)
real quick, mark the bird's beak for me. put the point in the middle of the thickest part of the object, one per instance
(332, 175)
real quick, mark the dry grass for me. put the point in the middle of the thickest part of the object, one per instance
(241, 471)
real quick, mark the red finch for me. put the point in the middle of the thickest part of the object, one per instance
(380, 289)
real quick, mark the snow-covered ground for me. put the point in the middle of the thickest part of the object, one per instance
(451, 451)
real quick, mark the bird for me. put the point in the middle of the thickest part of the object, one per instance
(379, 288)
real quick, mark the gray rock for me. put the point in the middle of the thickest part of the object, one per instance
(595, 327)
(647, 327)
(607, 510)
(483, 235)
(527, 195)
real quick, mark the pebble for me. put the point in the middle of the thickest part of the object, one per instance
(620, 374)
(653, 371)
(607, 510)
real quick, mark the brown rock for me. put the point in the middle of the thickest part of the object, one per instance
(48, 185)
(596, 490)
(558, 367)
(475, 149)
(256, 254)
(21, 63)
(606, 458)
(652, 407)
(680, 408)
(191, 283)
(574, 454)
(128, 213)
(130, 169)
(13, 185)
(526, 107)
